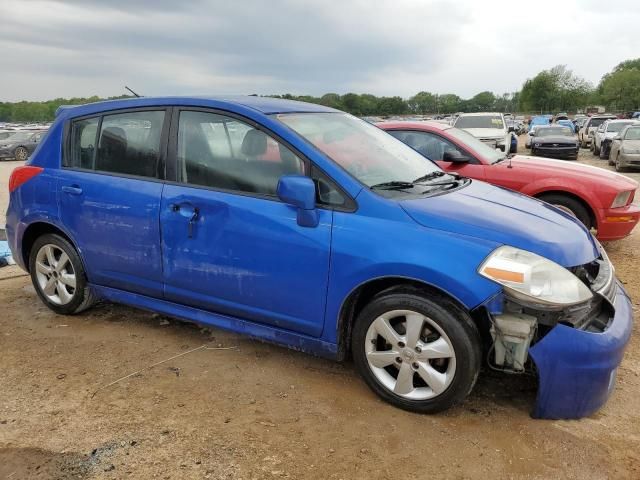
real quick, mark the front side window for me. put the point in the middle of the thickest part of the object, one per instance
(129, 143)
(222, 152)
(428, 144)
(368, 153)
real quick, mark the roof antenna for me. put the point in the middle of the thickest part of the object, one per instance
(134, 93)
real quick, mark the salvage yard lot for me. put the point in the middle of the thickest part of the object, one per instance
(260, 411)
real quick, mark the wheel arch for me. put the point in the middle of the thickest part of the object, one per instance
(592, 214)
(36, 230)
(356, 300)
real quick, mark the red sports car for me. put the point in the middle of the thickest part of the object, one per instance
(599, 198)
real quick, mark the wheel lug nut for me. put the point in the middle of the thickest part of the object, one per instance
(401, 344)
(398, 359)
(415, 366)
(418, 349)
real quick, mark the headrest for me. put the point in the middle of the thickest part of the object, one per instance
(254, 143)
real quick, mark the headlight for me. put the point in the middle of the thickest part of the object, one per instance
(533, 278)
(8, 145)
(621, 199)
(536, 144)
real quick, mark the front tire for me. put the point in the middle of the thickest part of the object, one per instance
(417, 353)
(619, 168)
(58, 275)
(571, 206)
(596, 149)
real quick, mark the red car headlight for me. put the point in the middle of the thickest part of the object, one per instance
(622, 199)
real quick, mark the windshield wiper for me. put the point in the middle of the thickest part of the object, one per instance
(393, 185)
(429, 176)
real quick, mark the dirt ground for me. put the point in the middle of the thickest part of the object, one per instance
(260, 411)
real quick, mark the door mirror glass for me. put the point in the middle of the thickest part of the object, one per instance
(300, 192)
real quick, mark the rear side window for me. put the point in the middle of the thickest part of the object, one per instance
(130, 143)
(124, 143)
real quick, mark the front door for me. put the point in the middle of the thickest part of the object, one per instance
(229, 245)
(109, 198)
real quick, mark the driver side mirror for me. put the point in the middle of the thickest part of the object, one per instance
(300, 192)
(512, 129)
(454, 156)
(532, 133)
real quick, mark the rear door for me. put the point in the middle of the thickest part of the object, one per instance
(109, 194)
(229, 245)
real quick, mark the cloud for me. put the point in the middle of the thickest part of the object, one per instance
(54, 48)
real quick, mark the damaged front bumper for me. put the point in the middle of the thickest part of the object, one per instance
(577, 368)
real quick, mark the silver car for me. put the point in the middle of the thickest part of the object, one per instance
(625, 148)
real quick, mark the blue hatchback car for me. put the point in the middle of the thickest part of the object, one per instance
(304, 226)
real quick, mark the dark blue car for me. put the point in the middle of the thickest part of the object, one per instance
(304, 226)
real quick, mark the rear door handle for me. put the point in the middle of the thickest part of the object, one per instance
(72, 190)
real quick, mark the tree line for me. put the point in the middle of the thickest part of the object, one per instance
(550, 91)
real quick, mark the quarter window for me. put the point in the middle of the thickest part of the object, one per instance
(221, 152)
(83, 141)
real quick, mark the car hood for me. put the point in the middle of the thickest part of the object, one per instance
(508, 218)
(546, 167)
(554, 139)
(497, 133)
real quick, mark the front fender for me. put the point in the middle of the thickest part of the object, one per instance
(555, 184)
(403, 250)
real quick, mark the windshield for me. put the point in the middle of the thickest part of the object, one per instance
(480, 121)
(476, 145)
(633, 134)
(368, 153)
(617, 126)
(554, 132)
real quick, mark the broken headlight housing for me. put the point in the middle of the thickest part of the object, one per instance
(534, 279)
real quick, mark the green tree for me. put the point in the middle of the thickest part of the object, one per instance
(422, 102)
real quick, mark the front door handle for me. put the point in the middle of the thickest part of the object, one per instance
(72, 190)
(192, 220)
(186, 209)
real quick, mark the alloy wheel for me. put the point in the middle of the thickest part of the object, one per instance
(410, 354)
(21, 154)
(55, 274)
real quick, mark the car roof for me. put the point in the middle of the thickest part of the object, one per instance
(479, 114)
(265, 105)
(426, 125)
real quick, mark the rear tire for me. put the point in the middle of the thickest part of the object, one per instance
(21, 154)
(571, 206)
(58, 275)
(417, 353)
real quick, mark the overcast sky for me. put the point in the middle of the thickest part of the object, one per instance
(65, 48)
